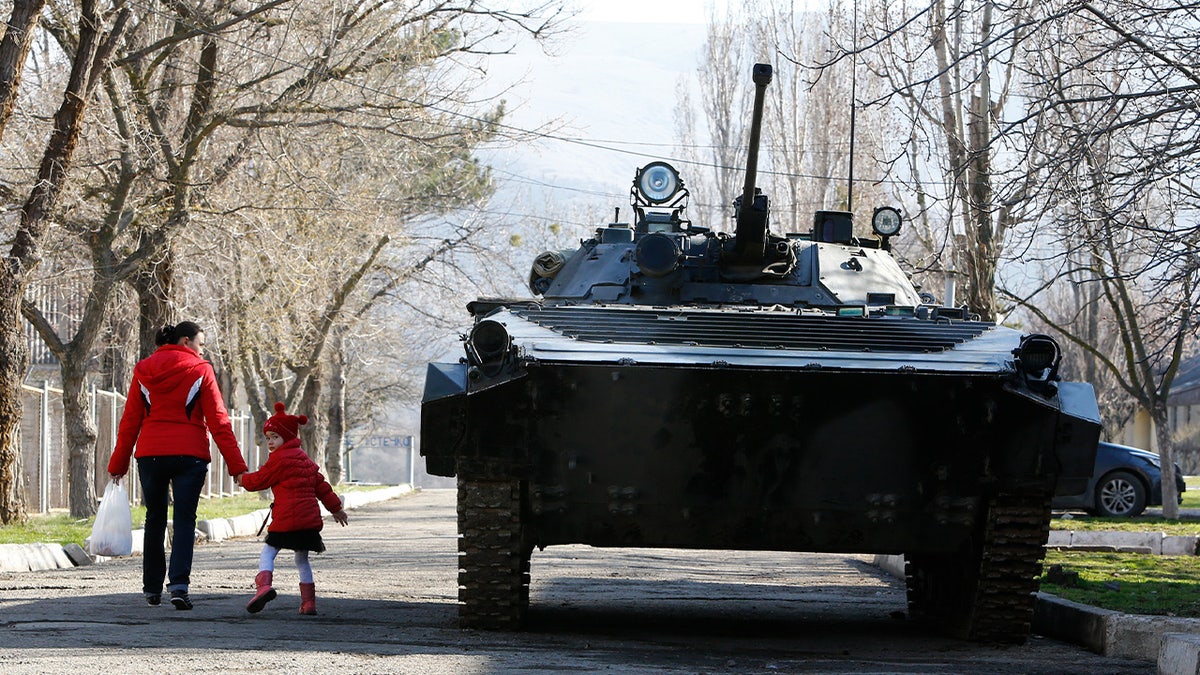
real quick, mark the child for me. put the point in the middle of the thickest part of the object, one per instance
(296, 521)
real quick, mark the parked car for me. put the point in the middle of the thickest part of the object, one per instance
(1124, 482)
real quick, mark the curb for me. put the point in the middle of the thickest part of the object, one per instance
(1172, 642)
(40, 557)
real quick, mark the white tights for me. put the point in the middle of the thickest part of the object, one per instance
(266, 563)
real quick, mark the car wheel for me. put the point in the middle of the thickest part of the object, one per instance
(1120, 494)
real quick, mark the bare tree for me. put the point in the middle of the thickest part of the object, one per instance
(1114, 131)
(194, 90)
(98, 34)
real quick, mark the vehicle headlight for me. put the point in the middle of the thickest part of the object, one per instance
(658, 182)
(1038, 355)
(886, 221)
(489, 340)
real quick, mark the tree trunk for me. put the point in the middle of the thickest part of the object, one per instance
(313, 434)
(1166, 453)
(153, 286)
(337, 407)
(80, 437)
(14, 359)
(116, 367)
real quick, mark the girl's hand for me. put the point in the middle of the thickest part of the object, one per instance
(341, 517)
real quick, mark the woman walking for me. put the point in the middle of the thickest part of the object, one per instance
(173, 406)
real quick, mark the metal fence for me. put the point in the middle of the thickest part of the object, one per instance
(44, 449)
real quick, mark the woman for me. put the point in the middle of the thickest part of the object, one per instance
(173, 404)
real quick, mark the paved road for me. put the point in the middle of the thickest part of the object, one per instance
(386, 597)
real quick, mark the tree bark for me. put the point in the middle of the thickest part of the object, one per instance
(337, 406)
(80, 438)
(313, 434)
(1166, 453)
(14, 49)
(14, 359)
(153, 286)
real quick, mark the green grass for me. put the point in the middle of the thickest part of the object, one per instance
(1129, 582)
(1140, 524)
(61, 528)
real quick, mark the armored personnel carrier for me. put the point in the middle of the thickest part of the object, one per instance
(670, 385)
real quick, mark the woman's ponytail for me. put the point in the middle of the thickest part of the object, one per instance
(170, 335)
(165, 335)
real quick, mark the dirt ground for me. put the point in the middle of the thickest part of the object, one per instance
(386, 599)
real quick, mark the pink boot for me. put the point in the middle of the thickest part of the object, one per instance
(308, 598)
(264, 594)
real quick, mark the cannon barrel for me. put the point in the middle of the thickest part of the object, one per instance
(752, 211)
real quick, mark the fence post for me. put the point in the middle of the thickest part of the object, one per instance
(44, 451)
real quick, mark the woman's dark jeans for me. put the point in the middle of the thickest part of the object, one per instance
(185, 476)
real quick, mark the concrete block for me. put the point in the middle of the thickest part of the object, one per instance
(1059, 539)
(1069, 621)
(1139, 637)
(1178, 545)
(1120, 541)
(40, 558)
(892, 564)
(353, 500)
(79, 557)
(246, 525)
(1179, 654)
(55, 554)
(217, 529)
(12, 558)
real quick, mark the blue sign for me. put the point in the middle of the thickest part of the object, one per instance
(395, 441)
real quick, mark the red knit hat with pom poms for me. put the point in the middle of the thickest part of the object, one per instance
(284, 424)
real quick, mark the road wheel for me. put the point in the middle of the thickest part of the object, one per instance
(493, 556)
(1120, 495)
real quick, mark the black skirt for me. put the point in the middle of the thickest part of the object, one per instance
(297, 540)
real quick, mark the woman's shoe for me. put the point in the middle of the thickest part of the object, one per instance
(181, 600)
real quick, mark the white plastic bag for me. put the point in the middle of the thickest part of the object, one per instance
(112, 533)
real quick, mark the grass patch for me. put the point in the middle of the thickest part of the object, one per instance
(50, 528)
(1139, 524)
(1128, 582)
(1191, 497)
(61, 528)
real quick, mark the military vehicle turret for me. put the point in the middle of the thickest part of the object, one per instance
(670, 385)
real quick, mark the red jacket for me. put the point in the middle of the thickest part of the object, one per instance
(173, 405)
(297, 484)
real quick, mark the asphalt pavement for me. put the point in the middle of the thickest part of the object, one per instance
(387, 603)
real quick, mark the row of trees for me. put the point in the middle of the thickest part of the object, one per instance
(275, 170)
(1045, 153)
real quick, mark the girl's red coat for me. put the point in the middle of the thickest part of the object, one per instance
(173, 405)
(297, 484)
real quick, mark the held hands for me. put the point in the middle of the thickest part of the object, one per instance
(341, 517)
(237, 480)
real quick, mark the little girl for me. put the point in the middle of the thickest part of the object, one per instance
(296, 522)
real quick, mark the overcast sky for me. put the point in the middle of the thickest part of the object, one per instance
(646, 11)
